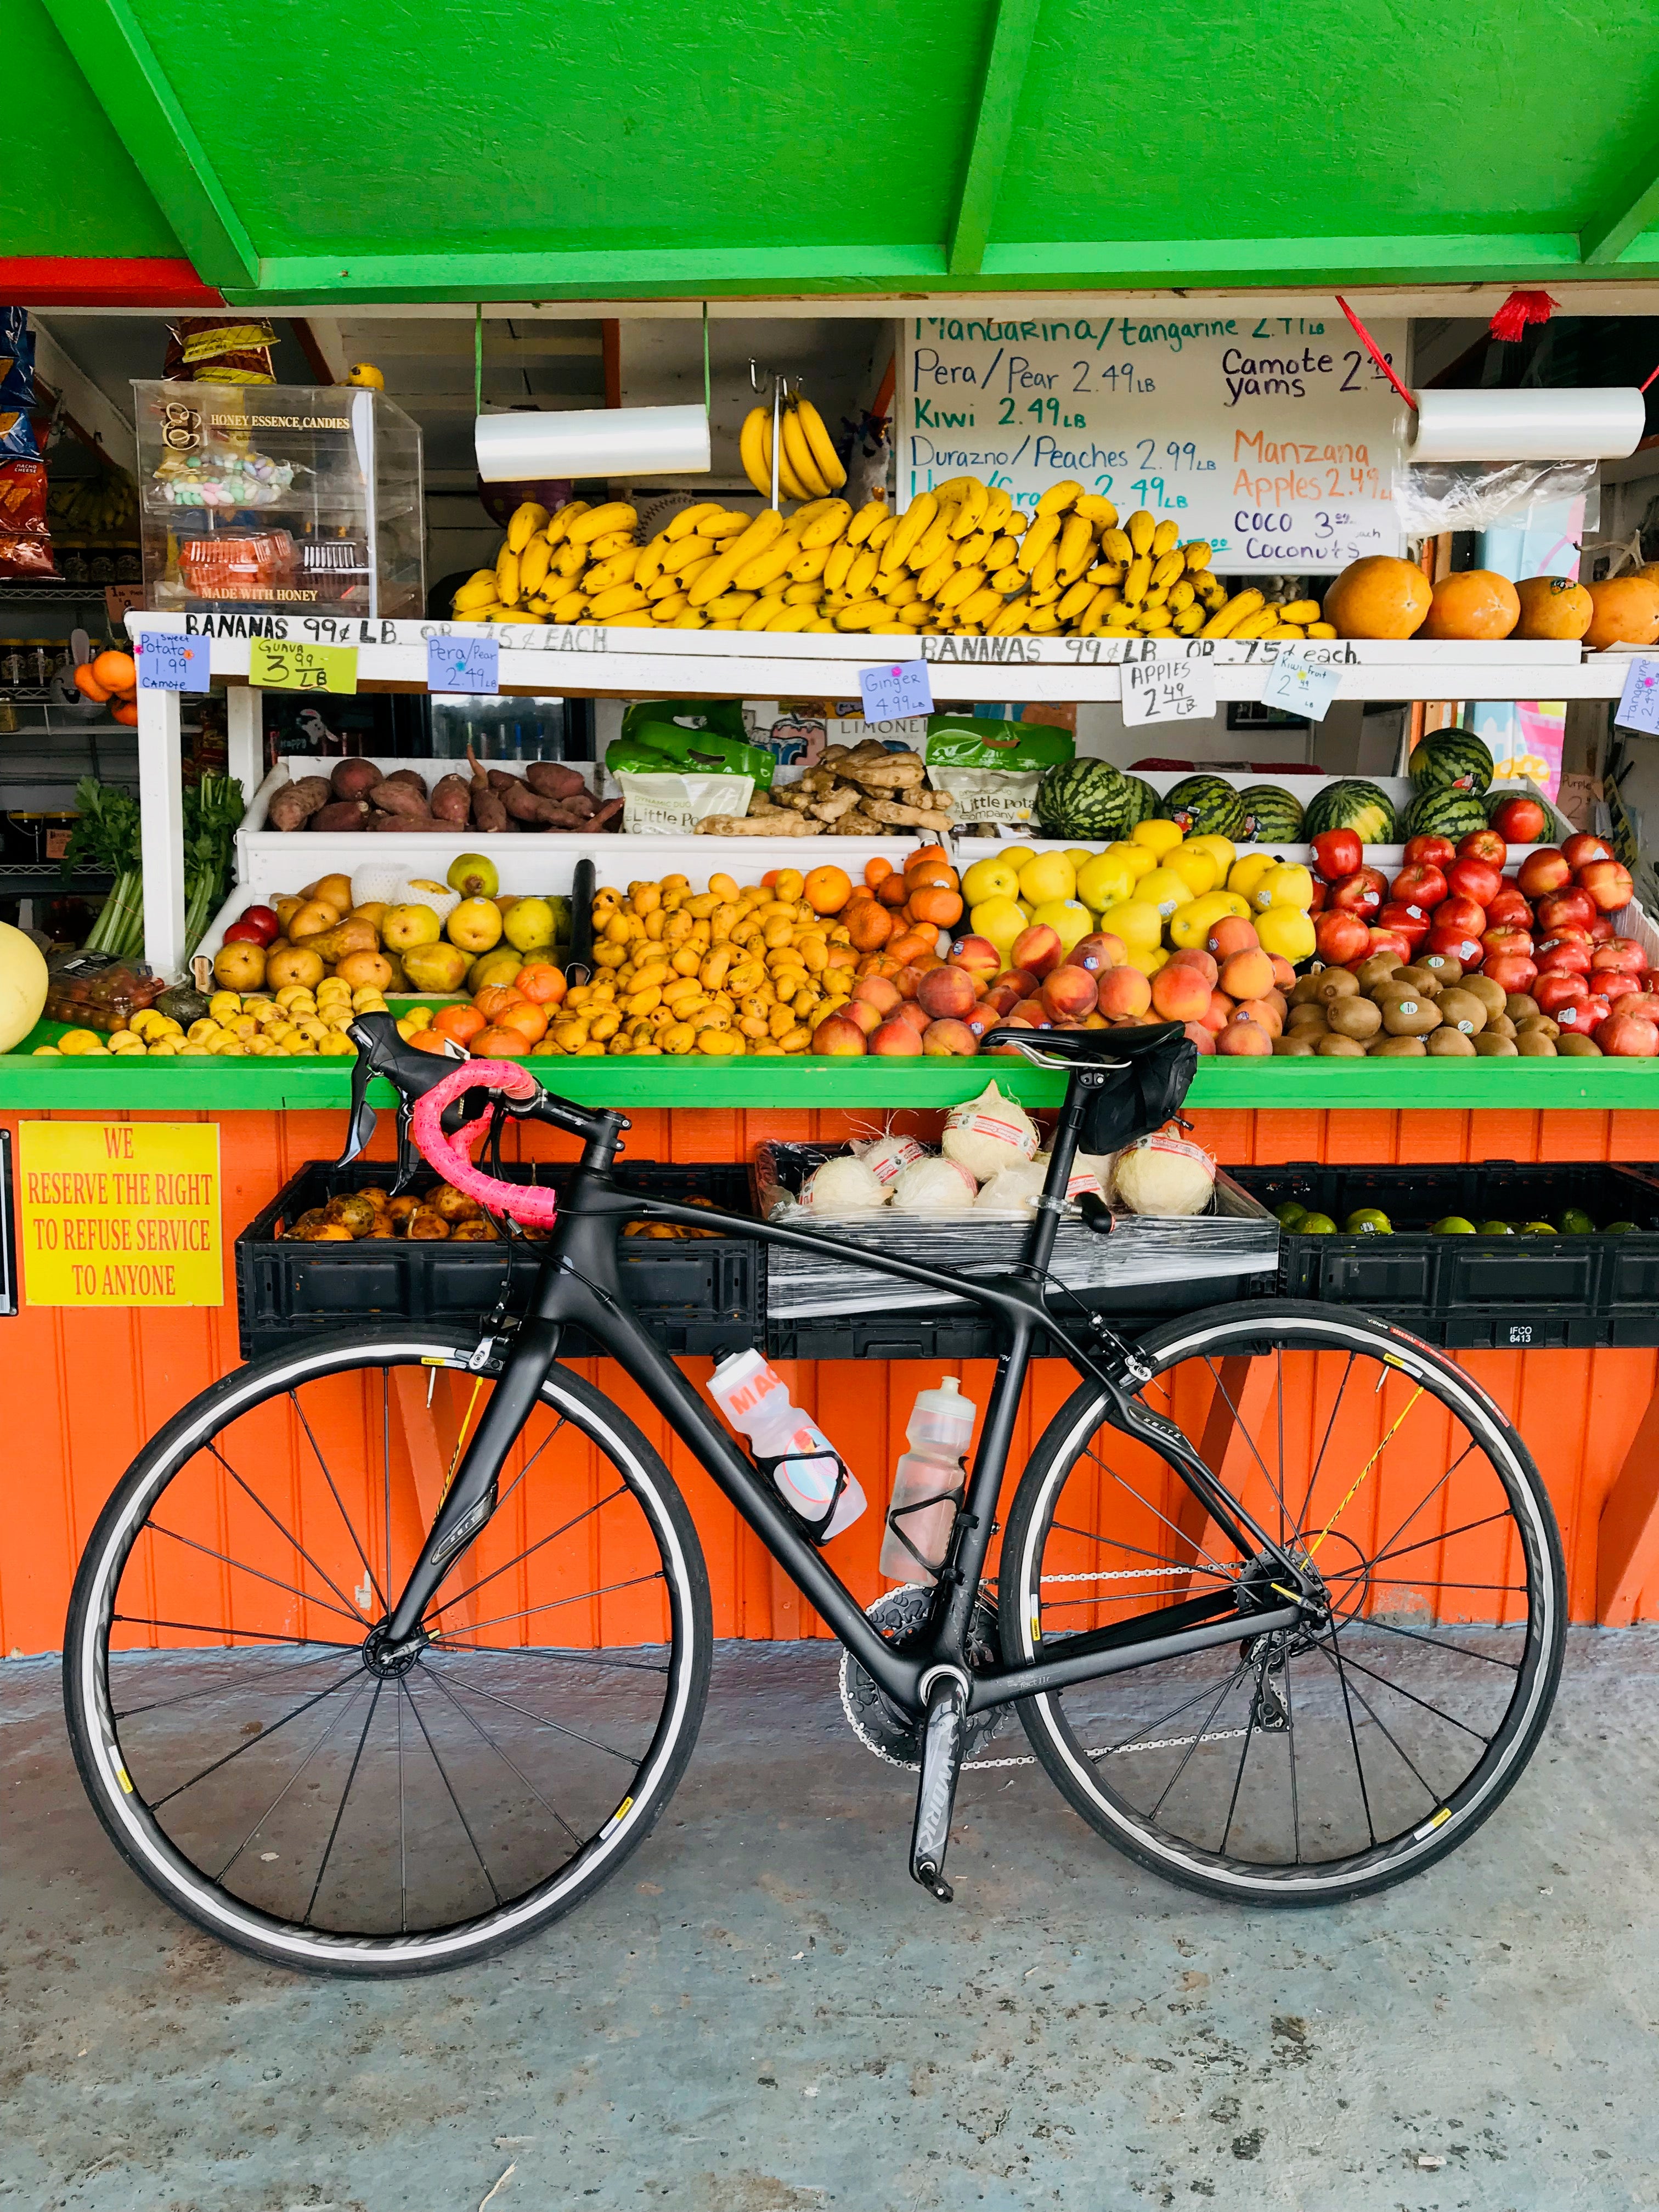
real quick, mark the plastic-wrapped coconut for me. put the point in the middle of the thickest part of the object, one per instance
(1167, 1174)
(988, 1132)
(888, 1156)
(842, 1186)
(929, 1186)
(1091, 1172)
(1013, 1191)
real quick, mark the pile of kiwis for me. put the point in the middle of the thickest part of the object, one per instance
(439, 1215)
(1391, 1009)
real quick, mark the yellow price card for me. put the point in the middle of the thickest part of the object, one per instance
(286, 665)
(120, 1213)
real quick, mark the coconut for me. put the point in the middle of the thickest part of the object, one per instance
(1165, 1175)
(988, 1132)
(842, 1185)
(1013, 1191)
(929, 1186)
(888, 1156)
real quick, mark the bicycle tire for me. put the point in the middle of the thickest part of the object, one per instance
(95, 1723)
(1079, 1772)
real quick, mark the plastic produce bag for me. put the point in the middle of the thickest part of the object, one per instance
(1439, 496)
(992, 770)
(661, 804)
(697, 735)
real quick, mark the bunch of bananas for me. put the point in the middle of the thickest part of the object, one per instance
(809, 466)
(961, 562)
(100, 506)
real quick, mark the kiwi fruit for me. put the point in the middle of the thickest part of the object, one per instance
(1336, 1046)
(1499, 1025)
(1495, 1047)
(1305, 1017)
(1538, 1025)
(1423, 979)
(1483, 987)
(1377, 969)
(1577, 1048)
(1296, 1045)
(1462, 1010)
(1356, 1018)
(1533, 1044)
(1518, 1006)
(1397, 1048)
(1332, 983)
(1443, 965)
(1306, 988)
(1446, 1043)
(1409, 1014)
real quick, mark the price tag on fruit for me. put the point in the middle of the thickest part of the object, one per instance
(1297, 686)
(285, 664)
(463, 664)
(903, 687)
(1168, 691)
(1638, 703)
(171, 663)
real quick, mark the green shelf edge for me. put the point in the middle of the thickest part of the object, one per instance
(27, 1084)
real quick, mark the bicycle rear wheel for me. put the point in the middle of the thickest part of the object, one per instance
(274, 1776)
(1309, 1765)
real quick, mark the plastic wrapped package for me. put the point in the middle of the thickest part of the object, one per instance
(1433, 496)
(25, 537)
(96, 990)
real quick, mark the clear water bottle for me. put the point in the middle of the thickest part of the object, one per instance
(754, 1398)
(929, 1484)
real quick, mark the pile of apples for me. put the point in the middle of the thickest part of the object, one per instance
(1544, 933)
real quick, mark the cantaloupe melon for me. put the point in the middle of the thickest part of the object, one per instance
(1553, 607)
(1473, 603)
(22, 986)
(1378, 597)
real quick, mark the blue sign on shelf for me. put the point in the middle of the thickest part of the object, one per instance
(1638, 703)
(463, 664)
(169, 662)
(901, 688)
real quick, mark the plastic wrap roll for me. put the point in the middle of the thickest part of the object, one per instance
(600, 441)
(1596, 424)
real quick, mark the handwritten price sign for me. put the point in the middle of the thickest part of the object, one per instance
(903, 687)
(1638, 703)
(284, 665)
(1168, 691)
(463, 664)
(1296, 687)
(168, 662)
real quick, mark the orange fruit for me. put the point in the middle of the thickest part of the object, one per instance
(1626, 612)
(541, 983)
(428, 1040)
(1378, 597)
(1553, 607)
(827, 889)
(910, 945)
(88, 685)
(876, 869)
(116, 671)
(892, 891)
(493, 1001)
(928, 855)
(937, 905)
(497, 1044)
(869, 924)
(461, 1023)
(529, 1021)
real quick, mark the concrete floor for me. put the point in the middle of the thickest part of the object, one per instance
(763, 2014)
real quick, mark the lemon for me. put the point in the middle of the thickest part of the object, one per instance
(74, 1042)
(989, 878)
(1048, 876)
(1221, 849)
(1077, 854)
(1103, 880)
(1288, 884)
(1137, 921)
(1158, 837)
(999, 921)
(1164, 889)
(1244, 875)
(1070, 921)
(1015, 856)
(1199, 872)
(1286, 931)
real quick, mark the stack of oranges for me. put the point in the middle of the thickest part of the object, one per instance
(112, 675)
(503, 1021)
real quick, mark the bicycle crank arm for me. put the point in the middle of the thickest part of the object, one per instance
(936, 1793)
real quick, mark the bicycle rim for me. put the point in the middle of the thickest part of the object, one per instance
(1340, 1757)
(276, 1776)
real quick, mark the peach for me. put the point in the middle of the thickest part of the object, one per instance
(976, 954)
(1232, 933)
(839, 1035)
(1032, 1014)
(1284, 974)
(1069, 993)
(1247, 973)
(1196, 957)
(1098, 950)
(915, 1013)
(949, 1039)
(909, 978)
(1123, 991)
(1181, 995)
(1263, 1012)
(1201, 1037)
(896, 1040)
(861, 1012)
(1246, 1039)
(1220, 1013)
(945, 994)
(877, 991)
(1038, 948)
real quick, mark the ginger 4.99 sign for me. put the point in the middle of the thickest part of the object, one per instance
(120, 1213)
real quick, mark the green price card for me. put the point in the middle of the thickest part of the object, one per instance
(284, 665)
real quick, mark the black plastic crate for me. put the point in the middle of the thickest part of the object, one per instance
(1467, 1293)
(694, 1295)
(928, 1336)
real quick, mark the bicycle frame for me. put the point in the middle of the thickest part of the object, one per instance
(580, 1286)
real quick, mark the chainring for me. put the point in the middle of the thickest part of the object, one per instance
(879, 1724)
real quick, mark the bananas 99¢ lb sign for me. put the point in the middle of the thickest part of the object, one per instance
(1275, 437)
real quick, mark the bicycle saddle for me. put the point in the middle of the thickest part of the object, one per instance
(1085, 1048)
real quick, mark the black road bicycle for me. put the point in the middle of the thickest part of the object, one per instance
(1279, 1602)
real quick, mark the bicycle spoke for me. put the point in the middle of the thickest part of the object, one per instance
(156, 1528)
(1385, 1553)
(443, 1774)
(403, 1822)
(1461, 1651)
(345, 1795)
(1238, 1424)
(447, 1643)
(1424, 1543)
(553, 1604)
(1433, 1796)
(541, 1720)
(1353, 1738)
(1238, 1779)
(293, 1399)
(218, 1689)
(1216, 1566)
(541, 1544)
(1426, 1704)
(472, 1722)
(202, 1628)
(283, 1791)
(286, 1538)
(1290, 1725)
(1136, 1551)
(263, 1736)
(1222, 1696)
(1324, 1444)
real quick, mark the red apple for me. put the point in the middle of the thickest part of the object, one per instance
(1612, 986)
(1571, 909)
(1337, 853)
(1586, 1015)
(1322, 892)
(1511, 905)
(1420, 885)
(1564, 956)
(949, 1039)
(1364, 891)
(1509, 940)
(1600, 930)
(1431, 851)
(1554, 992)
(1606, 882)
(1341, 938)
(1629, 1036)
(1472, 877)
(246, 932)
(1544, 872)
(1101, 950)
(1583, 846)
(1521, 820)
(1389, 940)
(1458, 912)
(976, 954)
(263, 918)
(836, 1034)
(1511, 971)
(896, 1040)
(1464, 947)
(1622, 953)
(1484, 845)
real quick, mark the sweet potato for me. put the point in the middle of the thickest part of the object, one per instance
(354, 779)
(607, 815)
(524, 807)
(452, 800)
(552, 779)
(488, 811)
(292, 805)
(398, 799)
(411, 776)
(340, 814)
(394, 822)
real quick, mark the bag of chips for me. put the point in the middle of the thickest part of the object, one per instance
(17, 441)
(214, 349)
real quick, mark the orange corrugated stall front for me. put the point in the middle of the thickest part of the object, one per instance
(88, 1387)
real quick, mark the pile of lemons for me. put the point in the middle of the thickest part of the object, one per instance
(1156, 891)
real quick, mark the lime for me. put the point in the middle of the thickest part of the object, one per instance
(1452, 1225)
(1315, 1224)
(1496, 1229)
(1621, 1229)
(1537, 1228)
(1368, 1221)
(1573, 1221)
(1289, 1213)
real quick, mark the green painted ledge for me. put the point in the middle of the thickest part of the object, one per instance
(263, 1086)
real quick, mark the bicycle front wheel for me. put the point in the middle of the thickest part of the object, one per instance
(1309, 1764)
(277, 1777)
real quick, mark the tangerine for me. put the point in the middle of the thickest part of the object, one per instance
(892, 890)
(116, 671)
(1473, 603)
(461, 1023)
(541, 983)
(877, 871)
(827, 889)
(869, 924)
(495, 999)
(936, 904)
(496, 1044)
(530, 1022)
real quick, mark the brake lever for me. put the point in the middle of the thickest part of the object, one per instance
(360, 1125)
(409, 1159)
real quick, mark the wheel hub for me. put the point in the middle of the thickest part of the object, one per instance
(389, 1660)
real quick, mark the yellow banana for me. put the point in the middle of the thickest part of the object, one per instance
(981, 606)
(1166, 566)
(1009, 578)
(523, 524)
(1045, 574)
(717, 577)
(883, 530)
(506, 577)
(1138, 581)
(1115, 545)
(872, 512)
(840, 560)
(1077, 542)
(910, 526)
(1197, 554)
(1099, 511)
(614, 514)
(686, 555)
(970, 512)
(973, 552)
(771, 562)
(571, 608)
(860, 614)
(622, 599)
(822, 446)
(686, 522)
(789, 484)
(806, 567)
(998, 508)
(725, 526)
(1012, 618)
(862, 574)
(567, 562)
(935, 577)
(1300, 610)
(825, 528)
(752, 451)
(800, 454)
(1042, 533)
(962, 585)
(533, 564)
(652, 561)
(564, 520)
(480, 590)
(933, 541)
(660, 588)
(953, 489)
(724, 611)
(671, 608)
(1163, 537)
(1182, 594)
(610, 542)
(758, 616)
(1108, 572)
(1142, 530)
(793, 617)
(604, 575)
(1226, 619)
(1188, 621)
(1082, 595)
(1255, 625)
(1060, 496)
(1001, 550)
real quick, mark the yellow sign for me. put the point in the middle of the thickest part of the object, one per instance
(285, 664)
(120, 1213)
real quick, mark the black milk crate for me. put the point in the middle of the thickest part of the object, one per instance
(1568, 1292)
(924, 1336)
(694, 1294)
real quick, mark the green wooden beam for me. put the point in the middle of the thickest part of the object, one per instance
(1609, 233)
(1012, 23)
(120, 65)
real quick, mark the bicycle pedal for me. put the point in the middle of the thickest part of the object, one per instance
(936, 1792)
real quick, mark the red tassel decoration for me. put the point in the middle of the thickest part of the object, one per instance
(1509, 324)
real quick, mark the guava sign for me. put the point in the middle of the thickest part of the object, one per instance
(1275, 437)
(120, 1213)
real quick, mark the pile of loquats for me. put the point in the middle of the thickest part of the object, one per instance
(297, 1023)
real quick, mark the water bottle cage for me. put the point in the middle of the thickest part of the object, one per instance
(819, 1530)
(897, 1513)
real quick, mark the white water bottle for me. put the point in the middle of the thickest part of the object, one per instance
(927, 1485)
(752, 1394)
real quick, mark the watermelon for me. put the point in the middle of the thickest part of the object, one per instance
(1271, 816)
(1143, 802)
(1081, 798)
(1204, 806)
(1442, 813)
(1451, 760)
(1352, 804)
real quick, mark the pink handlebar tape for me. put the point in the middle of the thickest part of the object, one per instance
(452, 1156)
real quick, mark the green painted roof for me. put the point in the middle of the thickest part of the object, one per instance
(661, 146)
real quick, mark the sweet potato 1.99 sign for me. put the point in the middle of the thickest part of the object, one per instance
(120, 1213)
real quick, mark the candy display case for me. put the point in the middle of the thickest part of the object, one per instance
(305, 498)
